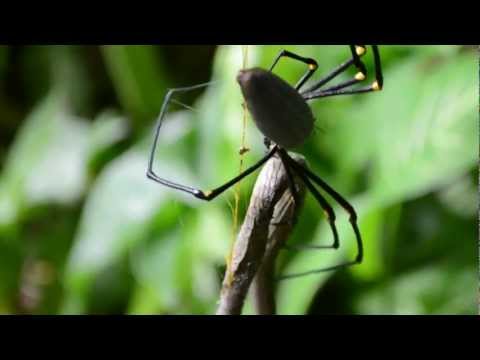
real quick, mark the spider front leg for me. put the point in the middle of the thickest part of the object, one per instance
(210, 195)
(312, 66)
(357, 52)
(200, 194)
(315, 92)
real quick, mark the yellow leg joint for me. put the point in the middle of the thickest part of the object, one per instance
(360, 50)
(360, 76)
(376, 86)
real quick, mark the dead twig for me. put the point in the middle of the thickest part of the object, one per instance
(268, 223)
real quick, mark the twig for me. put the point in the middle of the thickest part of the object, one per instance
(283, 220)
(268, 223)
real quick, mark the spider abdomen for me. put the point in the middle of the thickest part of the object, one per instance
(278, 110)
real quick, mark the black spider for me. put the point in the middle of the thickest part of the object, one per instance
(282, 114)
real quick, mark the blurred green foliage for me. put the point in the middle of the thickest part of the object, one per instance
(83, 231)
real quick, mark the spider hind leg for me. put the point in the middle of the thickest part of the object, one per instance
(308, 177)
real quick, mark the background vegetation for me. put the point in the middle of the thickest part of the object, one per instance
(83, 231)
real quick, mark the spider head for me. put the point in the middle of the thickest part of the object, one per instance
(249, 78)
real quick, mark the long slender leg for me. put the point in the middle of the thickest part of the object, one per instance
(338, 198)
(294, 192)
(292, 186)
(328, 209)
(212, 194)
(291, 180)
(357, 52)
(312, 66)
(317, 271)
(208, 195)
(377, 85)
(305, 174)
(163, 111)
(323, 203)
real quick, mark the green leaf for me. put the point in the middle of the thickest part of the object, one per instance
(108, 134)
(420, 129)
(47, 161)
(437, 141)
(120, 207)
(108, 128)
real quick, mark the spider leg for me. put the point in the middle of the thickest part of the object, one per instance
(286, 159)
(312, 66)
(210, 195)
(339, 199)
(377, 85)
(203, 195)
(305, 175)
(293, 191)
(163, 111)
(357, 52)
(291, 180)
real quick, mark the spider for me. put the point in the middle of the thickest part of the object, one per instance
(282, 114)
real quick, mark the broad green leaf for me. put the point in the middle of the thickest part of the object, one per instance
(108, 134)
(108, 128)
(420, 129)
(47, 161)
(437, 140)
(177, 269)
(120, 207)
